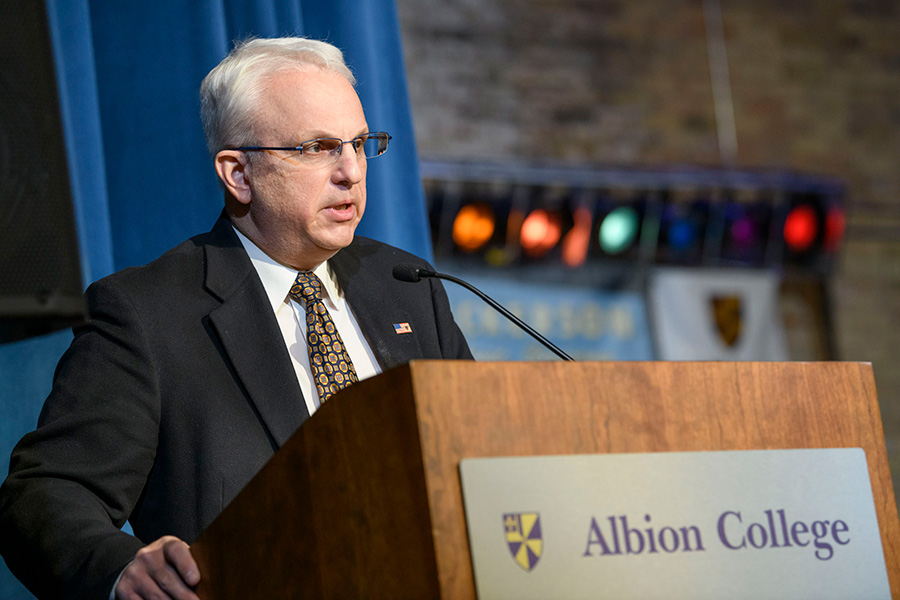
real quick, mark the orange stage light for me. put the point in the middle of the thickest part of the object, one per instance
(576, 242)
(473, 226)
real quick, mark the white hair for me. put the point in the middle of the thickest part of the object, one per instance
(230, 92)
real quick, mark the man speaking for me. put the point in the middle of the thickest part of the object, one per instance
(194, 369)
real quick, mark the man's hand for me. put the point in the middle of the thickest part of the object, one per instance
(162, 570)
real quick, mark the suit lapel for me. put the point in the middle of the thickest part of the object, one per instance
(366, 296)
(250, 336)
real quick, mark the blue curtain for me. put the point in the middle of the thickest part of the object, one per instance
(129, 75)
(150, 58)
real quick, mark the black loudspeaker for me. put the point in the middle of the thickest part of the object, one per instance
(40, 265)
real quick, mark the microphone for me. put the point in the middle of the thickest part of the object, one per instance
(412, 274)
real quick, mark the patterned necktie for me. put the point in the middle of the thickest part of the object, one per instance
(328, 358)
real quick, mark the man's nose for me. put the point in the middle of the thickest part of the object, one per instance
(349, 165)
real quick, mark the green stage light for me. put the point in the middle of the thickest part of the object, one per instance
(618, 230)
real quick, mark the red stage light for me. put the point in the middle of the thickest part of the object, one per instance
(835, 224)
(800, 228)
(540, 232)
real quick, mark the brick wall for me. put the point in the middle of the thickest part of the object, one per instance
(815, 87)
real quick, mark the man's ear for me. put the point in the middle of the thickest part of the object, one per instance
(232, 167)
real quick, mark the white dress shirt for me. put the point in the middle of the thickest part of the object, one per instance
(277, 280)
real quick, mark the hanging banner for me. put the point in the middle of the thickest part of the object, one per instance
(716, 314)
(586, 323)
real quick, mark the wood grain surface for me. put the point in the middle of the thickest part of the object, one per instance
(365, 501)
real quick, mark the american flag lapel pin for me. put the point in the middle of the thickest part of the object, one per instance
(402, 328)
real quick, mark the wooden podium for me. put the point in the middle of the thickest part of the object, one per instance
(364, 501)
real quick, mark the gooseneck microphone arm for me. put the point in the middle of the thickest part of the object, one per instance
(413, 274)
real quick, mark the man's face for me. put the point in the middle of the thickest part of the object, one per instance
(302, 216)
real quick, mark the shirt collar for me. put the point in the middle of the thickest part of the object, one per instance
(278, 279)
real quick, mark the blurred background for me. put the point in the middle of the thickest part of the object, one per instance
(758, 144)
(656, 180)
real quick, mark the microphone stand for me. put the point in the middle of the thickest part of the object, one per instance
(419, 272)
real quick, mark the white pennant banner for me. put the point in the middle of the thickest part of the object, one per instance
(716, 314)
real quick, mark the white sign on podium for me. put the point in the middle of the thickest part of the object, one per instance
(791, 524)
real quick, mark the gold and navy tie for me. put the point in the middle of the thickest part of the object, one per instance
(328, 358)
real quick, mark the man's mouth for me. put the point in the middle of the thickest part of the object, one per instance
(343, 211)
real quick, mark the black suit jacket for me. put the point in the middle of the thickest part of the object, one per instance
(173, 396)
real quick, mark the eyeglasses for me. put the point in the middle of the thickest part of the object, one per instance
(322, 152)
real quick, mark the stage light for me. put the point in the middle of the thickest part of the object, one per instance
(743, 232)
(619, 229)
(689, 218)
(681, 231)
(835, 224)
(578, 239)
(745, 227)
(540, 232)
(473, 226)
(801, 226)
(682, 234)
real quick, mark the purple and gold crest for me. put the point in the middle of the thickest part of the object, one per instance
(523, 536)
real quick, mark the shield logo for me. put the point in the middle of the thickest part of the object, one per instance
(728, 316)
(523, 536)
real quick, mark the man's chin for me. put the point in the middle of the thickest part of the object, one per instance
(338, 242)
